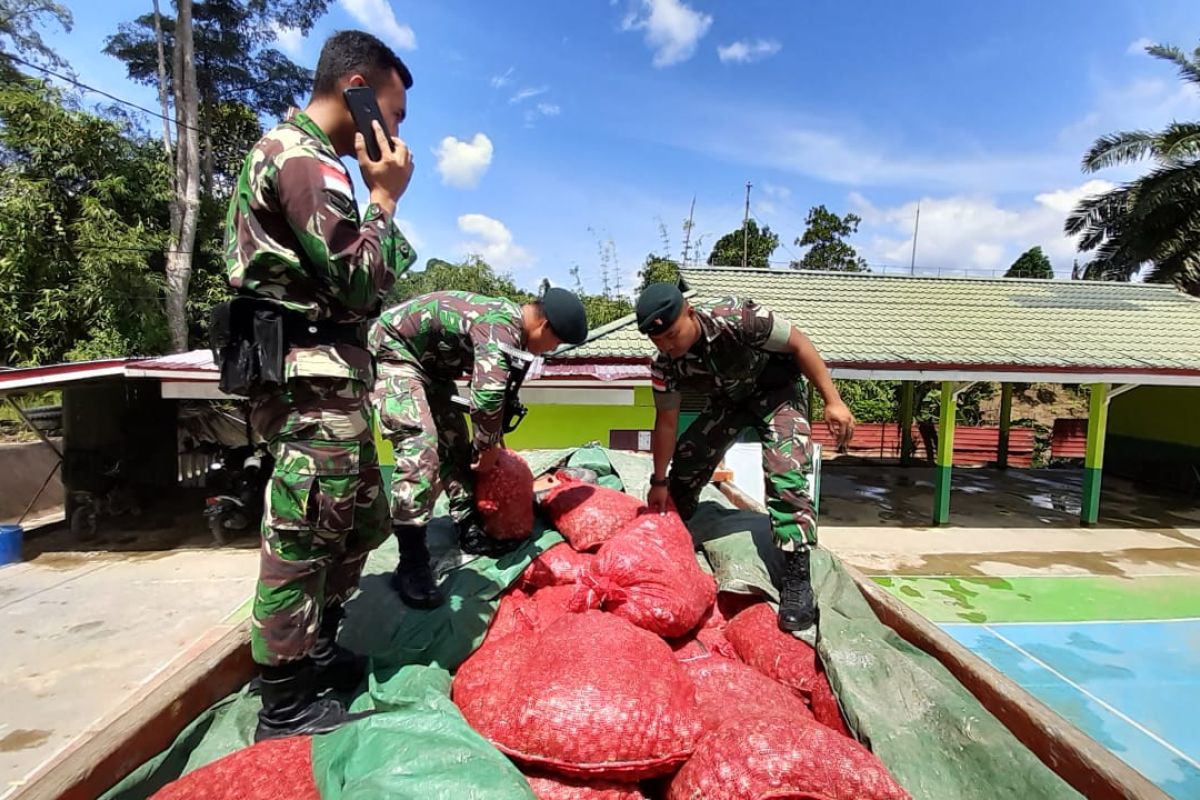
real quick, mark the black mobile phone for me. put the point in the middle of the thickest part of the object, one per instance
(365, 110)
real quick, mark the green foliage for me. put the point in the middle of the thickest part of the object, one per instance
(602, 310)
(239, 76)
(19, 24)
(471, 275)
(83, 205)
(658, 269)
(1031, 264)
(1151, 223)
(475, 275)
(823, 236)
(728, 250)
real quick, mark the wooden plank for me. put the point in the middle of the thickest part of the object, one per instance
(210, 670)
(1074, 756)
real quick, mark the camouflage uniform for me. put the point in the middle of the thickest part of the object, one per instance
(294, 235)
(741, 365)
(421, 347)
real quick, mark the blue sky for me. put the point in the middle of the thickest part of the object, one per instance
(541, 127)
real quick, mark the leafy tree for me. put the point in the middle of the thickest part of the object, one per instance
(823, 236)
(83, 218)
(1031, 264)
(658, 269)
(19, 24)
(473, 274)
(1151, 223)
(602, 310)
(239, 76)
(728, 250)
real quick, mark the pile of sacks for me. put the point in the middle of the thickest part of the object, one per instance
(614, 670)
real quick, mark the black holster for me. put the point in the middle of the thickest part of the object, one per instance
(248, 344)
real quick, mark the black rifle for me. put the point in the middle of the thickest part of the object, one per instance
(519, 363)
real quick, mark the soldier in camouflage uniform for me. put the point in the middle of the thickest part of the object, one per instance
(295, 236)
(750, 364)
(421, 347)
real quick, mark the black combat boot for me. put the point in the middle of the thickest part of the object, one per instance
(336, 667)
(290, 703)
(797, 606)
(413, 579)
(473, 540)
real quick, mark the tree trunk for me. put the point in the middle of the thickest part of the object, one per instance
(187, 178)
(162, 92)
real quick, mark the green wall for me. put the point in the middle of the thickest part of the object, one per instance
(1166, 414)
(551, 426)
(554, 426)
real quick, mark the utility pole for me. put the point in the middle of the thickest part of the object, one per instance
(912, 267)
(746, 230)
(687, 231)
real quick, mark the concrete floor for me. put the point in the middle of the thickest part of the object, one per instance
(84, 632)
(1015, 522)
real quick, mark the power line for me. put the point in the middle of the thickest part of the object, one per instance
(101, 92)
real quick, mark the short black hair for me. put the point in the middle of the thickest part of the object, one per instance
(349, 52)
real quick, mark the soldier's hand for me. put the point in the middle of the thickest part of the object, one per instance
(387, 179)
(840, 420)
(486, 460)
(658, 499)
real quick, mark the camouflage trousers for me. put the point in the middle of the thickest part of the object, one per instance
(431, 443)
(779, 417)
(324, 512)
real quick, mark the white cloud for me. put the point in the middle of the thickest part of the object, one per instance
(290, 40)
(377, 16)
(972, 232)
(529, 91)
(540, 111)
(493, 242)
(1143, 104)
(747, 52)
(462, 163)
(672, 29)
(773, 190)
(500, 81)
(1138, 46)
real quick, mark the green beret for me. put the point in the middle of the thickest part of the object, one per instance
(566, 315)
(659, 305)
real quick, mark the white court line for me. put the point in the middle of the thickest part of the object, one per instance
(1077, 622)
(1111, 709)
(982, 578)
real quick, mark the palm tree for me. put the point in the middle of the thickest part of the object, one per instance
(1152, 222)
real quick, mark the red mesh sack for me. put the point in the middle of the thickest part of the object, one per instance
(648, 575)
(590, 696)
(727, 690)
(756, 637)
(777, 758)
(521, 612)
(588, 515)
(825, 705)
(558, 566)
(548, 787)
(711, 632)
(265, 771)
(504, 497)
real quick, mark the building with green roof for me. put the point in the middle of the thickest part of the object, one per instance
(1136, 342)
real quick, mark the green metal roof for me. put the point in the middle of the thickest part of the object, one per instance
(883, 322)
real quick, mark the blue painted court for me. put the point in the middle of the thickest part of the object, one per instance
(1134, 687)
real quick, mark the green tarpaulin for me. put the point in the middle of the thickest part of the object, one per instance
(938, 741)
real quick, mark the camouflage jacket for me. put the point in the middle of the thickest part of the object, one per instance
(742, 345)
(448, 334)
(294, 235)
